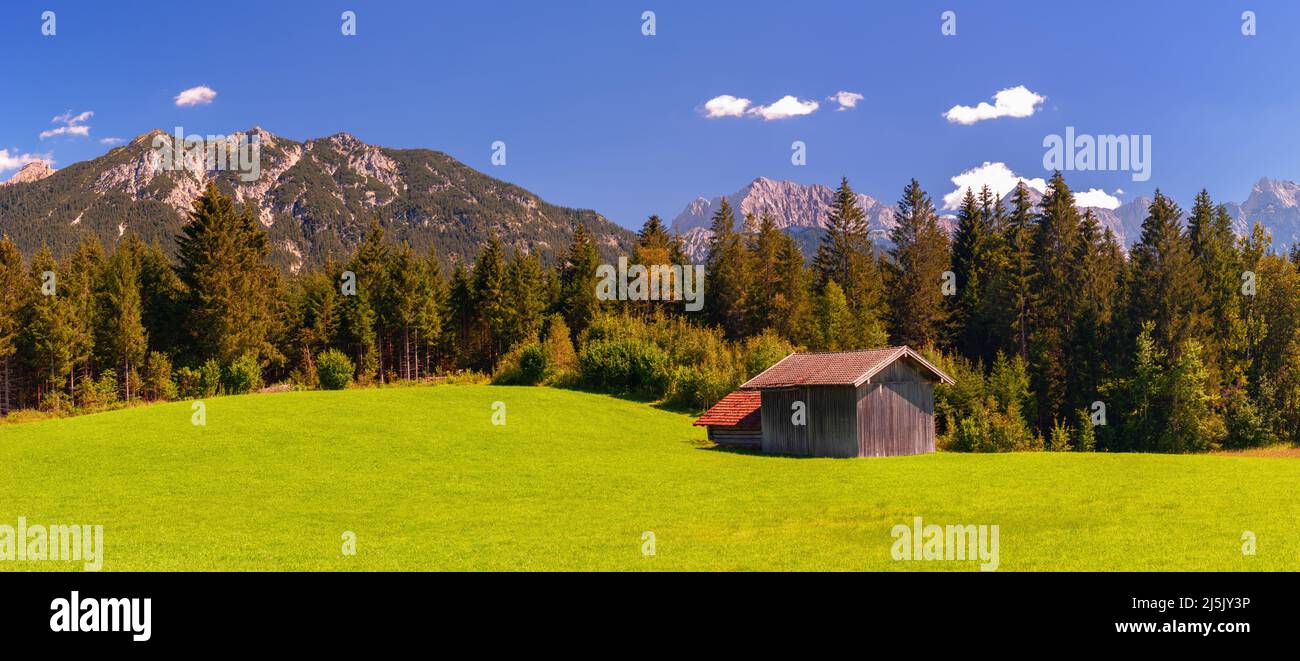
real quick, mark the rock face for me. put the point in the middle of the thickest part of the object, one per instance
(315, 198)
(34, 171)
(1275, 204)
(799, 210)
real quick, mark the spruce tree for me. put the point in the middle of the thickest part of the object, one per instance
(973, 262)
(13, 282)
(1056, 293)
(234, 292)
(918, 260)
(121, 328)
(847, 256)
(578, 302)
(1166, 288)
(727, 274)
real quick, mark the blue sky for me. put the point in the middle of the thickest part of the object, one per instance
(596, 115)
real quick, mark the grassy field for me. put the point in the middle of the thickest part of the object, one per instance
(573, 480)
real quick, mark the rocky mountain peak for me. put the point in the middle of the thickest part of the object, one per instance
(34, 171)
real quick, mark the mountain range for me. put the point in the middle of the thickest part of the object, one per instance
(317, 198)
(801, 210)
(314, 198)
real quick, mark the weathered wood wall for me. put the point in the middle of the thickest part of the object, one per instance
(830, 414)
(896, 412)
(747, 437)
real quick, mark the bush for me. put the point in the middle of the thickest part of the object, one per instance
(532, 364)
(700, 387)
(987, 429)
(625, 366)
(157, 377)
(1060, 439)
(210, 378)
(244, 375)
(334, 370)
(561, 359)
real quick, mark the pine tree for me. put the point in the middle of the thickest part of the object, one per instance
(1193, 423)
(233, 290)
(833, 319)
(1165, 286)
(49, 334)
(1096, 260)
(1056, 293)
(919, 258)
(525, 290)
(1213, 247)
(578, 302)
(82, 277)
(13, 282)
(1015, 287)
(726, 271)
(973, 255)
(491, 309)
(847, 256)
(121, 327)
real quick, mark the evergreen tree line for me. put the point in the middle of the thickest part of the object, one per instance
(1056, 337)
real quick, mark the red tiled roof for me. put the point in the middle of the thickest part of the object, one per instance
(737, 409)
(835, 368)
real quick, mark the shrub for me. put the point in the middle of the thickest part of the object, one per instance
(334, 370)
(561, 359)
(157, 377)
(1060, 439)
(243, 375)
(700, 387)
(1245, 426)
(625, 365)
(1085, 435)
(763, 351)
(532, 364)
(210, 378)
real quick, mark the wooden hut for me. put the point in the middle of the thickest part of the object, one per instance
(873, 403)
(734, 421)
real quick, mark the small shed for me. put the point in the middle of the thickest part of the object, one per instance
(735, 420)
(872, 403)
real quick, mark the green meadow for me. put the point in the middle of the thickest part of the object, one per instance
(573, 481)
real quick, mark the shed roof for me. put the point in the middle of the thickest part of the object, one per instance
(738, 409)
(837, 368)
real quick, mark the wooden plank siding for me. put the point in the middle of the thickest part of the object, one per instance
(895, 418)
(745, 437)
(831, 429)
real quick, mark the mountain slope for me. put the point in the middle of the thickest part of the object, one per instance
(314, 198)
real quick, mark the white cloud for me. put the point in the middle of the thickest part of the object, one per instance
(786, 107)
(1015, 101)
(14, 161)
(110, 141)
(69, 125)
(726, 106)
(997, 176)
(845, 99)
(196, 96)
(1096, 197)
(1119, 191)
